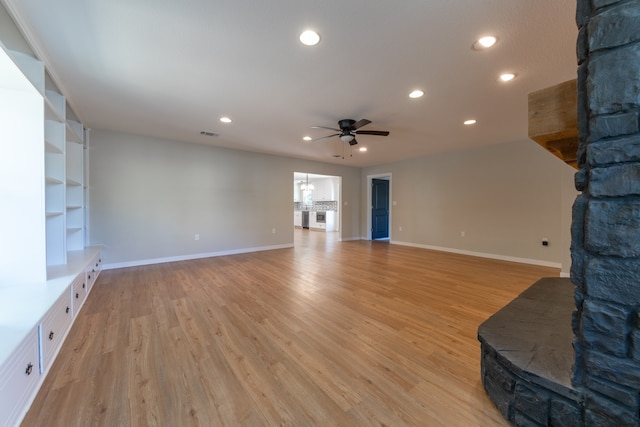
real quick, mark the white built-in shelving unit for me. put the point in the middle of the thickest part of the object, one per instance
(46, 271)
(75, 202)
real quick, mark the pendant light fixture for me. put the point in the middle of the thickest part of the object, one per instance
(307, 186)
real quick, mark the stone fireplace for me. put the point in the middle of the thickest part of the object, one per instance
(602, 387)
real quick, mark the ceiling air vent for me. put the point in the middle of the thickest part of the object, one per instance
(207, 133)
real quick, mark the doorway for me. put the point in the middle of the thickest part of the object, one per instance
(379, 196)
(317, 198)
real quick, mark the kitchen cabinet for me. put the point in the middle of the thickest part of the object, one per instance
(296, 192)
(314, 224)
(325, 190)
(297, 219)
(331, 224)
(320, 192)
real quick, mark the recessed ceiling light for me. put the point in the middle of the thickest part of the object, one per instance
(363, 149)
(306, 138)
(506, 77)
(470, 122)
(416, 94)
(309, 38)
(484, 42)
(225, 119)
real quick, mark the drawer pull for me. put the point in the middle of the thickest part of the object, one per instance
(51, 335)
(83, 285)
(96, 265)
(77, 295)
(67, 310)
(29, 369)
(89, 277)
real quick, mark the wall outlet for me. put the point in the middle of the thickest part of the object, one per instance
(400, 228)
(273, 231)
(196, 236)
(462, 234)
(545, 242)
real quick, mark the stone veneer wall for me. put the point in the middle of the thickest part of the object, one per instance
(606, 216)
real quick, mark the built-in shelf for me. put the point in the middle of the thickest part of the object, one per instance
(31, 68)
(52, 180)
(73, 183)
(75, 132)
(74, 207)
(54, 214)
(73, 229)
(51, 148)
(54, 136)
(55, 106)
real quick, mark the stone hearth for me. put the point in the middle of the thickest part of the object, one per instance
(527, 357)
(604, 386)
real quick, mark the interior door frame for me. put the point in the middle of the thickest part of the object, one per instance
(339, 200)
(369, 209)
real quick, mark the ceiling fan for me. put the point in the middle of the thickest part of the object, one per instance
(349, 129)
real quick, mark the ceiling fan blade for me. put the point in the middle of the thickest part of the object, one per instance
(353, 142)
(360, 123)
(373, 132)
(324, 137)
(324, 127)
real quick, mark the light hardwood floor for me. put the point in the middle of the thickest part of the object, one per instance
(328, 333)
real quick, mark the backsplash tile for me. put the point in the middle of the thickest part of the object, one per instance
(323, 206)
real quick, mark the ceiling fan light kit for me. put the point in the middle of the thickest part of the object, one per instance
(348, 129)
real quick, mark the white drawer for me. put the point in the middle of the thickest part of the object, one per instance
(78, 293)
(53, 329)
(93, 270)
(19, 377)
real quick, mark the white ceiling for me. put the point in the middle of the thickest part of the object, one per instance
(170, 69)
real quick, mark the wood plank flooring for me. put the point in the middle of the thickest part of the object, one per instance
(325, 334)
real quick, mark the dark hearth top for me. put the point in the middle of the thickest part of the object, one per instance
(534, 330)
(527, 356)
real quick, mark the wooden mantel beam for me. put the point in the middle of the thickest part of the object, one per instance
(553, 120)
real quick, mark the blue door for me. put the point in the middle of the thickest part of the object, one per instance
(379, 209)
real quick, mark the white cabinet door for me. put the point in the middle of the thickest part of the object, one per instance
(19, 377)
(331, 221)
(318, 190)
(297, 219)
(53, 329)
(93, 271)
(78, 292)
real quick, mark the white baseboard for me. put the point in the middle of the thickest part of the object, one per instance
(349, 239)
(482, 254)
(193, 256)
(563, 274)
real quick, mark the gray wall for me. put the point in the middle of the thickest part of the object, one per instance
(505, 197)
(149, 197)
